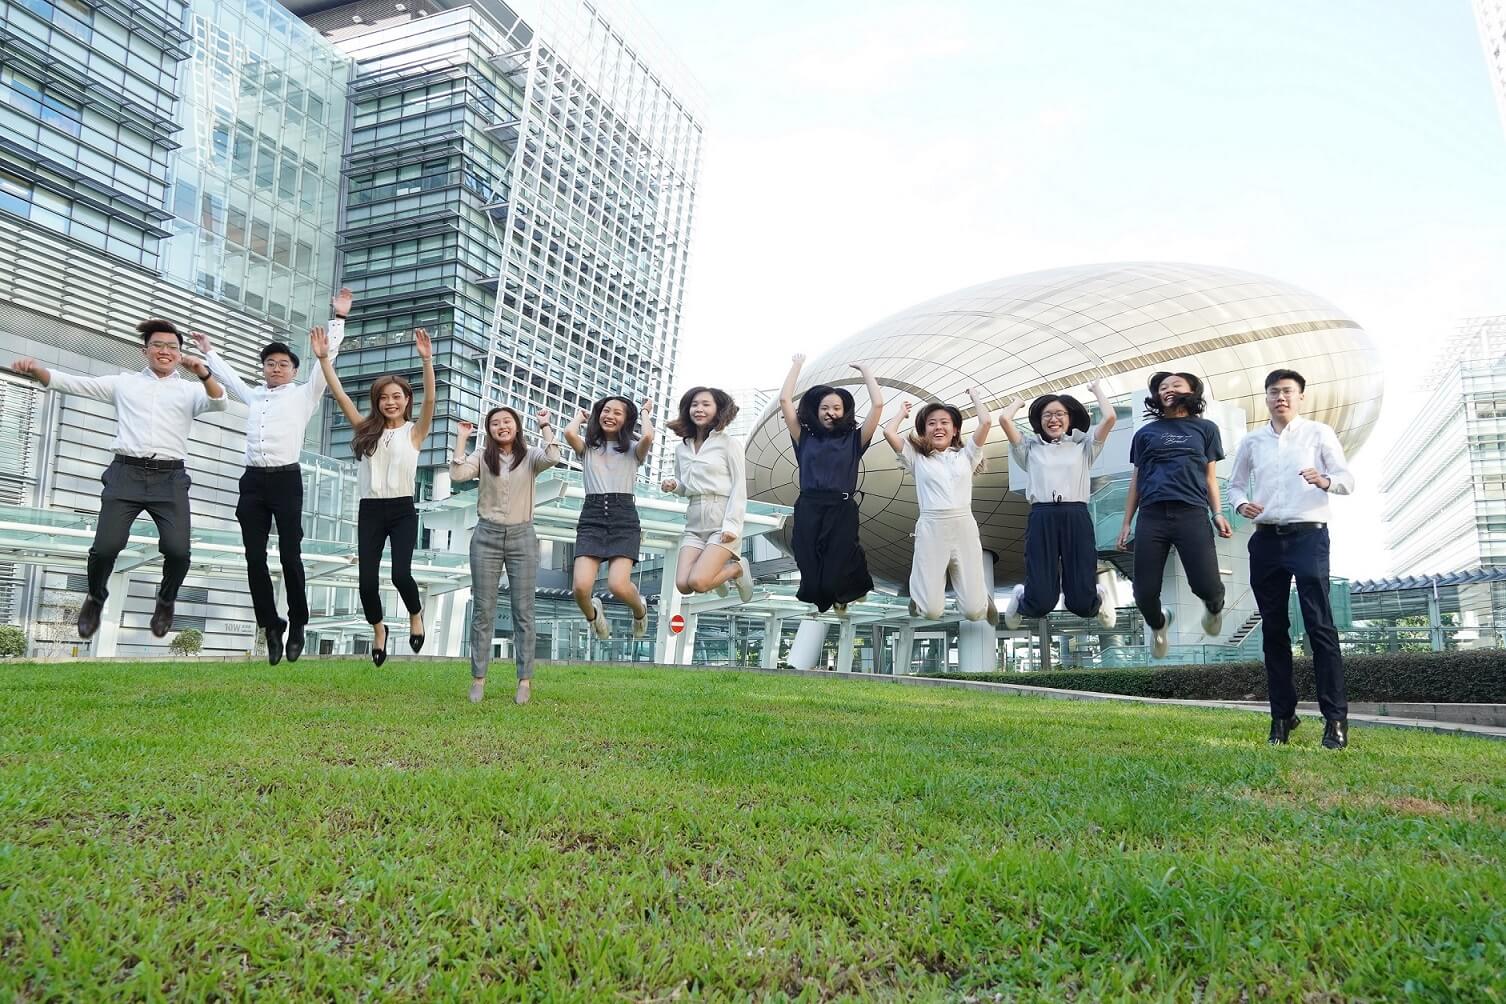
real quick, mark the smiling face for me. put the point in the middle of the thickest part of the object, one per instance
(1283, 399)
(613, 415)
(163, 352)
(392, 402)
(1171, 388)
(1055, 421)
(831, 411)
(939, 430)
(503, 429)
(702, 410)
(278, 369)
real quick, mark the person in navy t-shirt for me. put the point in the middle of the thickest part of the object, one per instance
(1174, 487)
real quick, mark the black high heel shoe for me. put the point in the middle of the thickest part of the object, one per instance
(379, 654)
(416, 641)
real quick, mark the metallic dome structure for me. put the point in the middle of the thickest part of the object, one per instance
(1053, 332)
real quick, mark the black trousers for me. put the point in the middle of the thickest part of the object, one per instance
(833, 568)
(377, 522)
(271, 495)
(1061, 559)
(1276, 558)
(130, 490)
(1161, 526)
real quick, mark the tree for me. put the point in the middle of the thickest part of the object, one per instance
(12, 640)
(187, 642)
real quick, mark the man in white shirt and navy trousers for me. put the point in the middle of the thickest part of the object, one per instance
(153, 412)
(1283, 474)
(272, 485)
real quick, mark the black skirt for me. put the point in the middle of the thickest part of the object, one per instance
(608, 528)
(833, 568)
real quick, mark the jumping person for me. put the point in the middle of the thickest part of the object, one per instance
(1061, 555)
(1175, 488)
(946, 535)
(154, 409)
(710, 469)
(1282, 477)
(609, 530)
(504, 537)
(271, 487)
(386, 443)
(828, 447)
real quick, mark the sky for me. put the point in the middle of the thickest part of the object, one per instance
(861, 157)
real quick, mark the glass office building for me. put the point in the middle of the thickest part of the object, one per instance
(1491, 15)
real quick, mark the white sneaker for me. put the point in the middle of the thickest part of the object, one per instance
(1108, 616)
(599, 622)
(745, 581)
(1213, 623)
(1160, 639)
(720, 589)
(1012, 618)
(640, 624)
(840, 608)
(992, 614)
(478, 690)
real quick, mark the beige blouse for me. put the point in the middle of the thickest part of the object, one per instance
(507, 497)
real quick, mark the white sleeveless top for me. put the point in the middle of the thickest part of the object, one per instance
(390, 472)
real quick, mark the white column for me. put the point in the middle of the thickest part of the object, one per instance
(847, 638)
(805, 650)
(978, 641)
(1044, 629)
(670, 601)
(108, 636)
(773, 628)
(452, 622)
(904, 650)
(879, 649)
(439, 540)
(685, 641)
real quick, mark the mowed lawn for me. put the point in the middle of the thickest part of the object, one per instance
(333, 831)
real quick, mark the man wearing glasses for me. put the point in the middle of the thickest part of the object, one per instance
(272, 485)
(154, 410)
(1282, 477)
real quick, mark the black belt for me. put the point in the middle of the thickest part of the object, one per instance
(828, 495)
(150, 463)
(273, 470)
(1285, 528)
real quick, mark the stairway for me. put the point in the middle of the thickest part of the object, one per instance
(1243, 631)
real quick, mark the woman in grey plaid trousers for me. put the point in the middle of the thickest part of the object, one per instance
(504, 538)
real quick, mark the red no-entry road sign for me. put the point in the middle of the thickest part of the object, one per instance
(677, 623)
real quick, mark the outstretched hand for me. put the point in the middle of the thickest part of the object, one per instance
(319, 342)
(202, 341)
(341, 301)
(646, 409)
(543, 417)
(464, 429)
(425, 346)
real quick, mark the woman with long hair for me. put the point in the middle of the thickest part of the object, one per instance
(1174, 487)
(504, 538)
(386, 443)
(609, 530)
(1061, 553)
(946, 535)
(829, 445)
(711, 471)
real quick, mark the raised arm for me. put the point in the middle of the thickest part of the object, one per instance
(787, 397)
(223, 371)
(573, 438)
(1131, 501)
(98, 388)
(646, 441)
(1106, 423)
(319, 344)
(462, 467)
(1006, 421)
(215, 398)
(551, 451)
(985, 418)
(426, 413)
(891, 430)
(875, 403)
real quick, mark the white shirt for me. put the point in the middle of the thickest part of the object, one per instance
(718, 468)
(1273, 461)
(390, 472)
(279, 416)
(152, 413)
(943, 480)
(1058, 471)
(605, 470)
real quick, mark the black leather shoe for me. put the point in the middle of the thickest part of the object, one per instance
(1335, 733)
(416, 641)
(1281, 728)
(162, 618)
(274, 644)
(88, 617)
(379, 655)
(294, 648)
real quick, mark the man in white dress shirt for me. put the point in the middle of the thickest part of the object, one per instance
(272, 485)
(1283, 474)
(153, 412)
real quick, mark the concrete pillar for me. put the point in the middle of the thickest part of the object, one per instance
(685, 641)
(880, 650)
(669, 604)
(978, 641)
(453, 624)
(1044, 663)
(805, 650)
(773, 629)
(904, 651)
(1435, 621)
(439, 540)
(107, 638)
(847, 637)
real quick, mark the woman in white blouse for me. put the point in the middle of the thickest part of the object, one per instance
(386, 443)
(710, 470)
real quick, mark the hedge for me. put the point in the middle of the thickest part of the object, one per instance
(1467, 677)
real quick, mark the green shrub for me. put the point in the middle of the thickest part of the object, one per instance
(1473, 677)
(12, 640)
(187, 642)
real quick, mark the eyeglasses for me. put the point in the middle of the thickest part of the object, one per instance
(164, 346)
(277, 364)
(1282, 392)
(1053, 414)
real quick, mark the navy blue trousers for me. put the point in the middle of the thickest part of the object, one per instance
(1276, 558)
(1060, 560)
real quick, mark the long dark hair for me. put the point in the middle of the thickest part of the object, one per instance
(1077, 415)
(1193, 402)
(807, 412)
(491, 454)
(726, 410)
(369, 430)
(918, 439)
(624, 439)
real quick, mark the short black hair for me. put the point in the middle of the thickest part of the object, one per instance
(1276, 376)
(1077, 415)
(807, 414)
(152, 325)
(278, 348)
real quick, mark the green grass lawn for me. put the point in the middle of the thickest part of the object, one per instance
(332, 831)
